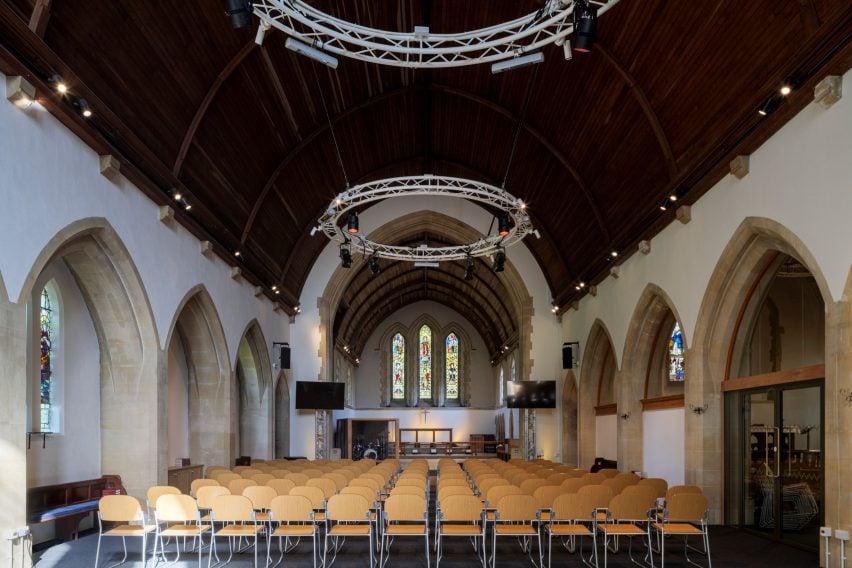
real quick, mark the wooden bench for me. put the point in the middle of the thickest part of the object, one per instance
(69, 503)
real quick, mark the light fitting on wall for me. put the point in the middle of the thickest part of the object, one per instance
(625, 416)
(698, 409)
(20, 92)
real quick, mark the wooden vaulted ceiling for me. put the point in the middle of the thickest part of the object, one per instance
(666, 99)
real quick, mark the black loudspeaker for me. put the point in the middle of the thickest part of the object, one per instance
(567, 356)
(285, 356)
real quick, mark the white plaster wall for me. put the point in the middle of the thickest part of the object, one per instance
(50, 178)
(367, 379)
(177, 402)
(74, 453)
(606, 437)
(663, 444)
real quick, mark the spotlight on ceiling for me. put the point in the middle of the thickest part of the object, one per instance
(517, 62)
(312, 52)
(499, 260)
(345, 256)
(585, 26)
(373, 263)
(84, 107)
(664, 205)
(58, 84)
(768, 107)
(239, 12)
(469, 267)
(503, 225)
(352, 223)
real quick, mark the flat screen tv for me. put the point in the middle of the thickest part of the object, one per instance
(531, 394)
(312, 395)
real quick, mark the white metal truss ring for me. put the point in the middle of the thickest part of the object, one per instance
(421, 48)
(436, 186)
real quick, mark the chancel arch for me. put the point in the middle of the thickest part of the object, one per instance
(282, 415)
(254, 383)
(210, 403)
(598, 409)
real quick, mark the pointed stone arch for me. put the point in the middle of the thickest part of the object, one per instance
(464, 356)
(282, 415)
(653, 310)
(384, 348)
(413, 339)
(132, 431)
(212, 412)
(253, 373)
(754, 245)
(570, 419)
(598, 354)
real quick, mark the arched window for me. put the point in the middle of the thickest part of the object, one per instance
(451, 361)
(398, 367)
(425, 363)
(675, 355)
(501, 395)
(48, 328)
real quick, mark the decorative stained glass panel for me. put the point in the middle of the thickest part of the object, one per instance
(48, 331)
(676, 355)
(398, 367)
(425, 362)
(452, 362)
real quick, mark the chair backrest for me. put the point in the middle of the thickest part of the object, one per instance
(347, 507)
(517, 508)
(279, 473)
(281, 486)
(408, 490)
(232, 508)
(236, 486)
(529, 486)
(660, 485)
(574, 484)
(340, 481)
(600, 493)
(445, 492)
(646, 492)
(366, 482)
(207, 494)
(157, 491)
(364, 492)
(460, 481)
(176, 508)
(595, 478)
(608, 472)
(677, 489)
(314, 495)
(312, 472)
(262, 478)
(489, 483)
(260, 496)
(120, 508)
(628, 508)
(496, 493)
(249, 472)
(461, 508)
(686, 507)
(327, 486)
(617, 485)
(297, 478)
(196, 483)
(289, 508)
(412, 481)
(545, 495)
(573, 507)
(405, 508)
(558, 478)
(628, 476)
(225, 477)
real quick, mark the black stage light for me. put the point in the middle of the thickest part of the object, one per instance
(352, 223)
(373, 263)
(499, 260)
(585, 26)
(503, 225)
(239, 12)
(469, 268)
(345, 257)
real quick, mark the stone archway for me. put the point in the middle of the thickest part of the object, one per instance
(254, 382)
(599, 350)
(196, 325)
(282, 415)
(132, 431)
(754, 244)
(570, 419)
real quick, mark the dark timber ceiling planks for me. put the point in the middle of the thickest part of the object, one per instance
(661, 106)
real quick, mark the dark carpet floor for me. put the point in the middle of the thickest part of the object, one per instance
(730, 548)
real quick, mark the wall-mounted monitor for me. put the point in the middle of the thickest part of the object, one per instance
(531, 394)
(312, 395)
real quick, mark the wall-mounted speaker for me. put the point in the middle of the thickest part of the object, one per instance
(285, 356)
(567, 356)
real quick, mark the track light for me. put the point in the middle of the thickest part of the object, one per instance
(673, 197)
(517, 62)
(352, 223)
(664, 205)
(768, 107)
(614, 254)
(239, 12)
(499, 260)
(58, 84)
(237, 253)
(312, 52)
(84, 107)
(585, 26)
(345, 256)
(373, 263)
(503, 225)
(187, 206)
(177, 196)
(469, 267)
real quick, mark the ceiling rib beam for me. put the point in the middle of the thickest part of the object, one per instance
(40, 17)
(279, 90)
(223, 75)
(645, 104)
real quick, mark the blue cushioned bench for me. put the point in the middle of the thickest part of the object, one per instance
(69, 503)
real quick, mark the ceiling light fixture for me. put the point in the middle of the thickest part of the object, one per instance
(785, 90)
(499, 260)
(503, 225)
(84, 107)
(58, 84)
(177, 196)
(768, 106)
(352, 223)
(585, 25)
(187, 206)
(20, 92)
(239, 12)
(517, 62)
(664, 205)
(614, 254)
(469, 268)
(345, 256)
(312, 52)
(373, 263)
(673, 197)
(237, 253)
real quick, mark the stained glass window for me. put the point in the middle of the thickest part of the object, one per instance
(502, 387)
(425, 362)
(47, 336)
(452, 363)
(398, 366)
(676, 355)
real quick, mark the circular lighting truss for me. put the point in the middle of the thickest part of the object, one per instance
(421, 48)
(435, 186)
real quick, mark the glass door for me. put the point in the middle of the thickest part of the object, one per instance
(774, 447)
